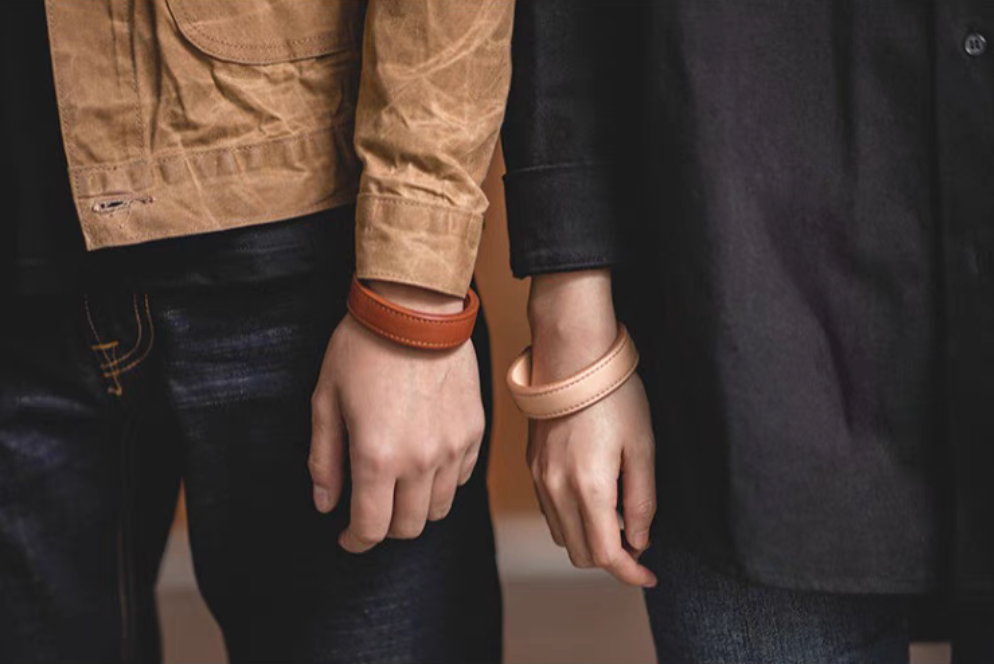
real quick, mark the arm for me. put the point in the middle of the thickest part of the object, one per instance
(432, 98)
(564, 144)
(434, 82)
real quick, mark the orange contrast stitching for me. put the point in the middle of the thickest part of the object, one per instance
(138, 340)
(460, 318)
(595, 398)
(583, 376)
(116, 389)
(151, 342)
(405, 340)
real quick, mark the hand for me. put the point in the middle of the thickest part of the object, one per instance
(576, 460)
(412, 421)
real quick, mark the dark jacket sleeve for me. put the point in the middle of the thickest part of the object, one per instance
(566, 133)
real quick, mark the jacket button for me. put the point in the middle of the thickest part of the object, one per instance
(975, 44)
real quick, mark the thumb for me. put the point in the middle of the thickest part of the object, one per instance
(638, 479)
(327, 458)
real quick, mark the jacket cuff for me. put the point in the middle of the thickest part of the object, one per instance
(562, 218)
(415, 243)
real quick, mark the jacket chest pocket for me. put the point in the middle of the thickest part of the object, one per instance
(259, 32)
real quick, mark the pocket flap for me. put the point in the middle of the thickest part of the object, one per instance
(269, 31)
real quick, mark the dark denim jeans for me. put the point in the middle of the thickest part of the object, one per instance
(700, 615)
(109, 403)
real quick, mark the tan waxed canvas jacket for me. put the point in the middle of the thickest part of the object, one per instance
(189, 116)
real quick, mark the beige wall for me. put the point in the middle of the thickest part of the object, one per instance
(504, 302)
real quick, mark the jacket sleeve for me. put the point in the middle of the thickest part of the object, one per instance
(567, 143)
(434, 85)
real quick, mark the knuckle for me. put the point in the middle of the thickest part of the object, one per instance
(643, 509)
(477, 428)
(588, 483)
(424, 461)
(553, 479)
(367, 536)
(443, 497)
(319, 404)
(375, 459)
(579, 561)
(471, 461)
(317, 469)
(605, 559)
(439, 513)
(407, 530)
(642, 454)
(647, 445)
(454, 449)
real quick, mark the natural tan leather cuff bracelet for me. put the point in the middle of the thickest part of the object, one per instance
(412, 328)
(544, 402)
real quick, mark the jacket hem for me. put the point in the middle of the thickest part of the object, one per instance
(215, 190)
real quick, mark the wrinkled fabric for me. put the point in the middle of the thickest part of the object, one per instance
(182, 117)
(41, 246)
(434, 86)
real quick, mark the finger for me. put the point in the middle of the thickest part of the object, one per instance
(638, 481)
(551, 518)
(469, 462)
(410, 507)
(443, 491)
(604, 542)
(372, 509)
(571, 525)
(326, 461)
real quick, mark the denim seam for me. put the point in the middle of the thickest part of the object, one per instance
(103, 347)
(138, 339)
(117, 371)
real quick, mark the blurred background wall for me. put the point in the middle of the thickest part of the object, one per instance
(504, 301)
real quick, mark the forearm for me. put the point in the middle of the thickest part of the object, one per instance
(577, 459)
(432, 96)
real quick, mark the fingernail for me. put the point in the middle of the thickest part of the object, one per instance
(641, 541)
(322, 500)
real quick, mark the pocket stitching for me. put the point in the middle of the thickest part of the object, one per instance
(190, 21)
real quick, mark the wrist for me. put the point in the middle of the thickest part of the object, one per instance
(580, 299)
(572, 322)
(416, 298)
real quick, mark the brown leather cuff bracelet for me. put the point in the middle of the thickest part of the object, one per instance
(412, 328)
(545, 402)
